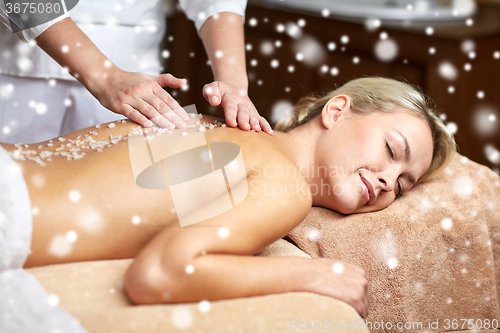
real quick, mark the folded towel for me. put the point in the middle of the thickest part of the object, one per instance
(24, 305)
(431, 256)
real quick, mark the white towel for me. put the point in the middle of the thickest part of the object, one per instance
(24, 305)
(15, 214)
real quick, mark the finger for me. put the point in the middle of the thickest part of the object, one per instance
(149, 111)
(364, 311)
(230, 110)
(135, 116)
(212, 94)
(171, 103)
(254, 122)
(243, 117)
(266, 127)
(364, 307)
(175, 119)
(168, 80)
(161, 119)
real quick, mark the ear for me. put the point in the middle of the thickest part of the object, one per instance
(335, 107)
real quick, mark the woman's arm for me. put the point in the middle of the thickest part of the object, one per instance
(186, 264)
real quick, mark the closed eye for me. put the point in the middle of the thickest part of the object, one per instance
(400, 187)
(389, 149)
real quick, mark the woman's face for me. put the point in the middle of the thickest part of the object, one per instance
(370, 159)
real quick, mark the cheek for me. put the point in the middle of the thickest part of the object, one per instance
(384, 200)
(346, 193)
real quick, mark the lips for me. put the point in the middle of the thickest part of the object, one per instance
(367, 190)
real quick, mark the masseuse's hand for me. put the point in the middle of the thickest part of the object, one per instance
(137, 96)
(339, 280)
(238, 108)
(141, 98)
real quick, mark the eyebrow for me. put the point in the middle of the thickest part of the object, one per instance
(407, 147)
(407, 156)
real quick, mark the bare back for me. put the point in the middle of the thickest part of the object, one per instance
(92, 209)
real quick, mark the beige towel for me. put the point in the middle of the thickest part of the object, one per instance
(93, 293)
(433, 255)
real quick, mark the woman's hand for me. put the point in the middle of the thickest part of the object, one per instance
(340, 280)
(141, 98)
(238, 108)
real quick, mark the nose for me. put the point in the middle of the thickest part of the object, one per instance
(387, 179)
(386, 183)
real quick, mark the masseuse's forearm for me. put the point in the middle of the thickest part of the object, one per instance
(138, 96)
(223, 38)
(218, 276)
(72, 49)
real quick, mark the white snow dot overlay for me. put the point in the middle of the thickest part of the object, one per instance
(53, 300)
(136, 219)
(372, 24)
(71, 236)
(189, 269)
(452, 127)
(75, 196)
(182, 318)
(313, 235)
(223, 232)
(448, 71)
(386, 50)
(392, 263)
(463, 186)
(338, 268)
(41, 108)
(204, 306)
(446, 223)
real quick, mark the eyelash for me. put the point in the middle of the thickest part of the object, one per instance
(400, 187)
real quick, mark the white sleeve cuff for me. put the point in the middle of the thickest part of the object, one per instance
(30, 34)
(200, 11)
(216, 8)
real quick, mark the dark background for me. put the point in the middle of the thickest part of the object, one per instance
(413, 63)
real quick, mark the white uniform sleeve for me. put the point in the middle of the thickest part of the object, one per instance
(3, 15)
(28, 34)
(200, 10)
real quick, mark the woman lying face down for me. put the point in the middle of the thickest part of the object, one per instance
(354, 150)
(370, 140)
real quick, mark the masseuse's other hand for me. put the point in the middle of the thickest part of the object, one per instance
(238, 108)
(339, 280)
(141, 98)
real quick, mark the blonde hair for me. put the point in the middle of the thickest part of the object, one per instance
(373, 94)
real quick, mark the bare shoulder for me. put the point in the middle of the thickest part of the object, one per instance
(269, 170)
(276, 199)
